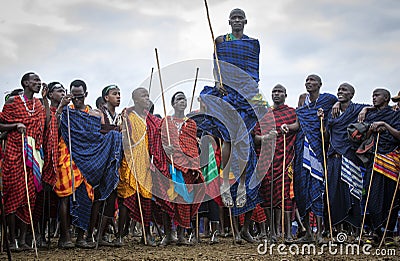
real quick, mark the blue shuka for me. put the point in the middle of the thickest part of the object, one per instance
(309, 177)
(97, 156)
(232, 117)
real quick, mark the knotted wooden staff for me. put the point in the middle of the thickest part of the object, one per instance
(326, 177)
(27, 194)
(136, 179)
(70, 157)
(390, 211)
(283, 185)
(194, 89)
(369, 188)
(151, 78)
(165, 109)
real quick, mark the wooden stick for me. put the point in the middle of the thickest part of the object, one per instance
(137, 183)
(70, 157)
(27, 194)
(151, 78)
(221, 86)
(230, 212)
(165, 110)
(369, 188)
(326, 177)
(390, 211)
(283, 185)
(194, 89)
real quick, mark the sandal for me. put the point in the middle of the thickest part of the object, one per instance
(226, 196)
(241, 196)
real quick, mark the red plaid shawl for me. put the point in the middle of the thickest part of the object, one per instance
(15, 200)
(51, 140)
(281, 115)
(186, 158)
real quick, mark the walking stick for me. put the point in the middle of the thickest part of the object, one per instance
(43, 228)
(390, 211)
(4, 229)
(27, 193)
(369, 188)
(326, 177)
(70, 157)
(165, 110)
(100, 225)
(49, 223)
(271, 218)
(229, 208)
(194, 89)
(283, 186)
(221, 86)
(137, 183)
(151, 78)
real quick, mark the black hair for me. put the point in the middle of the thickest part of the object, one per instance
(173, 97)
(99, 102)
(107, 89)
(52, 86)
(78, 83)
(25, 77)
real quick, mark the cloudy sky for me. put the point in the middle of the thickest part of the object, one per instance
(114, 41)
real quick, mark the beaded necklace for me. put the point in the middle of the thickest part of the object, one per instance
(111, 118)
(30, 112)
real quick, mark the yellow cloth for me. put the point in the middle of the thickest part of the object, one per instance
(136, 159)
(63, 186)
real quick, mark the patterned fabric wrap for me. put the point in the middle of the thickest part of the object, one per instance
(340, 144)
(234, 115)
(308, 185)
(337, 127)
(239, 60)
(96, 155)
(387, 143)
(51, 139)
(274, 120)
(14, 192)
(132, 204)
(159, 166)
(186, 159)
(136, 160)
(63, 185)
(383, 186)
(388, 164)
(34, 160)
(344, 206)
(352, 175)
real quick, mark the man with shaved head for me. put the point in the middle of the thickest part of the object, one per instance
(268, 129)
(344, 167)
(234, 104)
(385, 122)
(308, 167)
(137, 136)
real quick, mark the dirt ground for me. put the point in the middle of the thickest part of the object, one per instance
(225, 250)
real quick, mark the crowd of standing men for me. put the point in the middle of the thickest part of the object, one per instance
(330, 158)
